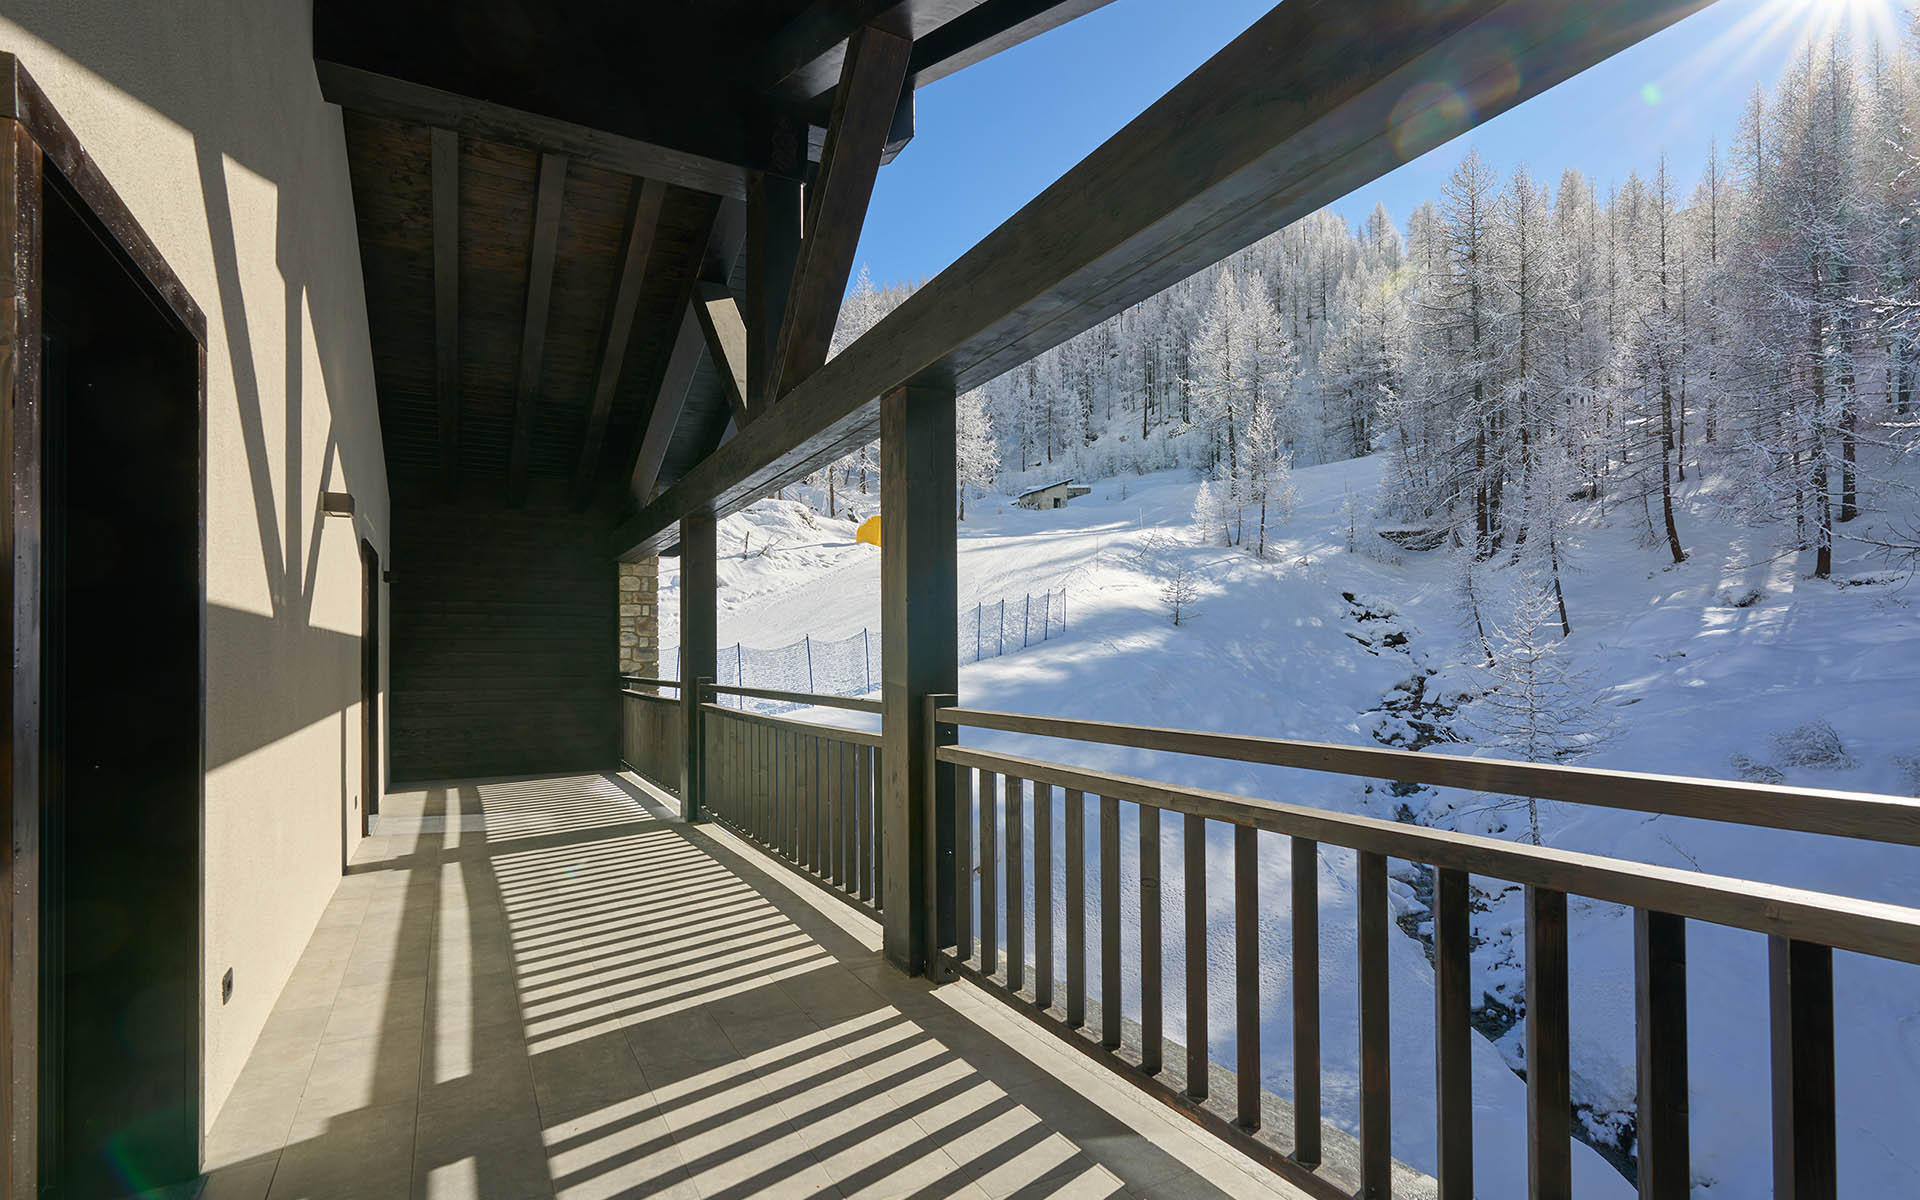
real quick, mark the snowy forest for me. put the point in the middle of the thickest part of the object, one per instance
(1525, 351)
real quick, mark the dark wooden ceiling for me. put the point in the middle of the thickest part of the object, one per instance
(647, 122)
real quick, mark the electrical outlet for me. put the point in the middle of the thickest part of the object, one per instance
(226, 986)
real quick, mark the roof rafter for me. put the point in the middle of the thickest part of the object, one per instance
(863, 110)
(643, 221)
(549, 196)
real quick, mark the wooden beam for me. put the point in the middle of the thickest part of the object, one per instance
(725, 234)
(643, 221)
(863, 110)
(446, 300)
(1314, 100)
(986, 29)
(774, 219)
(803, 61)
(397, 99)
(726, 340)
(550, 194)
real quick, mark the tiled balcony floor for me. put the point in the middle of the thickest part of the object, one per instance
(531, 988)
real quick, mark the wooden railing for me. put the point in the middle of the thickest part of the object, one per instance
(652, 729)
(807, 793)
(995, 793)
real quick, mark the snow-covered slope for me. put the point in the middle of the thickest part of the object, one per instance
(1319, 643)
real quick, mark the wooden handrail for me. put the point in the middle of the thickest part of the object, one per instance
(1864, 926)
(1805, 810)
(834, 733)
(648, 696)
(646, 682)
(810, 699)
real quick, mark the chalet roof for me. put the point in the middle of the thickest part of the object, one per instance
(1045, 487)
(551, 201)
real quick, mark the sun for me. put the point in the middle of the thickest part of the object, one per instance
(1767, 25)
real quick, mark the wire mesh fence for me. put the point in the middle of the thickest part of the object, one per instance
(851, 666)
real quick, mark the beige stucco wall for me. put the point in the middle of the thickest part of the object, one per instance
(206, 118)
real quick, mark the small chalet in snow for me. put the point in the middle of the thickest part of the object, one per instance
(1053, 495)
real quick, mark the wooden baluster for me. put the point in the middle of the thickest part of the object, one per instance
(1076, 834)
(989, 874)
(1042, 895)
(863, 806)
(1549, 1072)
(816, 811)
(1150, 1028)
(879, 831)
(1193, 845)
(1453, 1034)
(1110, 1002)
(836, 819)
(1800, 989)
(963, 872)
(1660, 1011)
(1376, 1161)
(1016, 885)
(784, 793)
(849, 844)
(1246, 975)
(1305, 867)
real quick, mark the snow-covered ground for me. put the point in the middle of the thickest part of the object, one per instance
(1292, 647)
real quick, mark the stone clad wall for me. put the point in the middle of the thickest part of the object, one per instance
(640, 618)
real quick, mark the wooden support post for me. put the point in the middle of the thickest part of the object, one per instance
(919, 585)
(698, 586)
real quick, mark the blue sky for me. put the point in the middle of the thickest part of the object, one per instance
(989, 138)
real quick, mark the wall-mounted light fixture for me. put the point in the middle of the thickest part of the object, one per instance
(336, 504)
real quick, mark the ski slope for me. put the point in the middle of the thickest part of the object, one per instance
(1690, 680)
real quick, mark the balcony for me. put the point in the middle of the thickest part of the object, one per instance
(551, 986)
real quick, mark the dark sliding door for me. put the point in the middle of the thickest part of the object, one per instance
(121, 725)
(102, 423)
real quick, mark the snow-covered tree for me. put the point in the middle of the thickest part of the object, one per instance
(1536, 703)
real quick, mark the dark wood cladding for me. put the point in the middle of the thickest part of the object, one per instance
(503, 625)
(466, 340)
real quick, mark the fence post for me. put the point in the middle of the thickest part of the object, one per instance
(808, 639)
